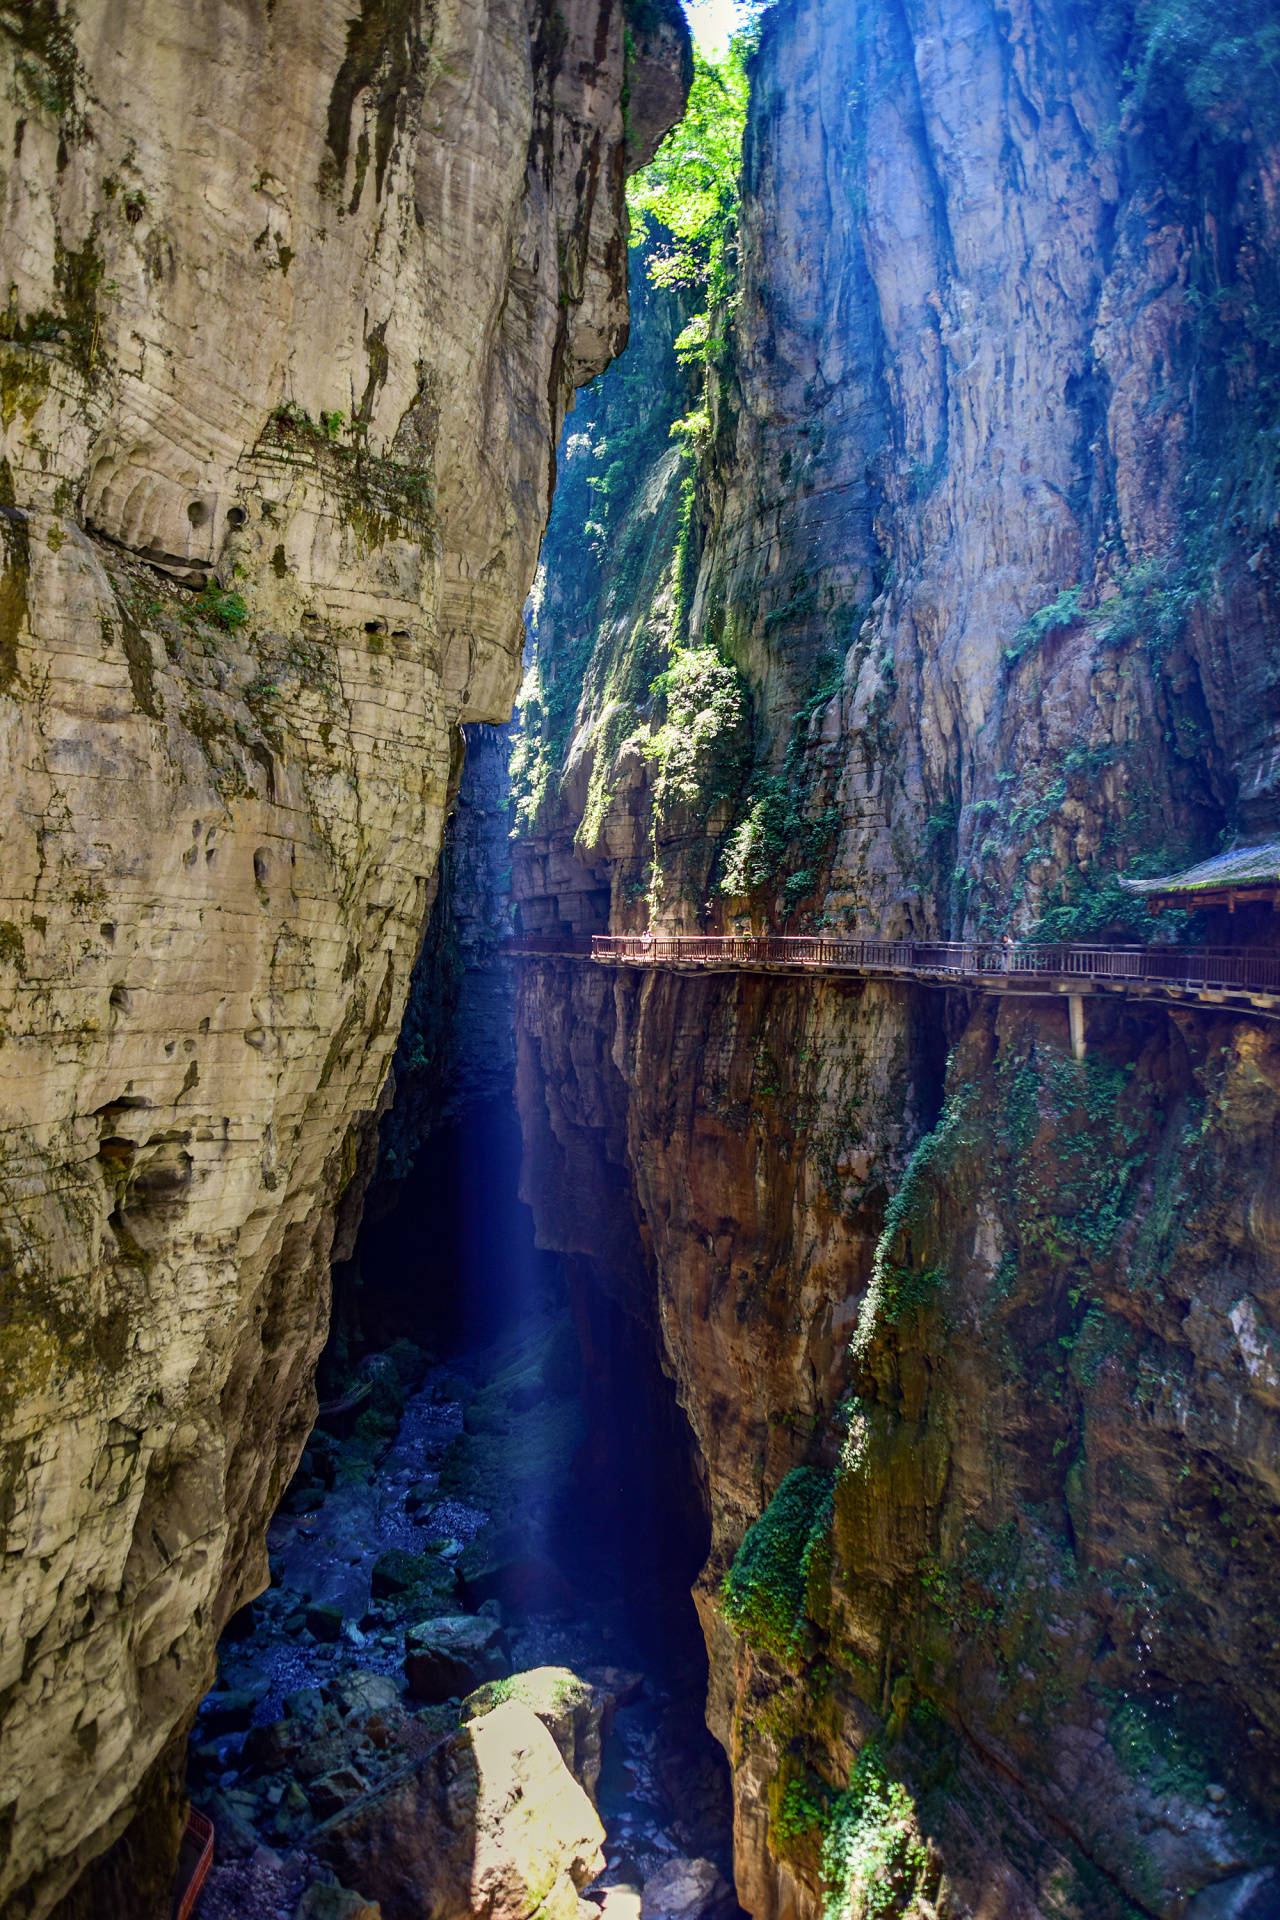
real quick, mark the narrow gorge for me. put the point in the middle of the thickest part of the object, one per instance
(536, 1379)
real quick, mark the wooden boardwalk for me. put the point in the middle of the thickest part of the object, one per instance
(1243, 978)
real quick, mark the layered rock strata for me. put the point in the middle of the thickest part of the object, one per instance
(985, 496)
(456, 1045)
(996, 458)
(295, 305)
(975, 1337)
(1012, 1314)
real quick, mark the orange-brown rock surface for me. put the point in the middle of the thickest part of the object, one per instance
(1040, 1399)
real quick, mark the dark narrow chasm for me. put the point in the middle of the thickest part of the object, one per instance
(497, 1444)
(451, 1265)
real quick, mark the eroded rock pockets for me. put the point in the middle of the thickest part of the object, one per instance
(295, 299)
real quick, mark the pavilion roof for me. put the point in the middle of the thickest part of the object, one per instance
(1246, 870)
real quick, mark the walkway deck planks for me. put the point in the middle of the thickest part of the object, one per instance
(1245, 978)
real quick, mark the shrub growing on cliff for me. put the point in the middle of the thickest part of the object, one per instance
(684, 204)
(873, 1858)
(898, 1285)
(874, 1861)
(690, 187)
(701, 746)
(221, 608)
(1089, 903)
(1204, 81)
(782, 837)
(766, 1591)
(1218, 58)
(798, 1812)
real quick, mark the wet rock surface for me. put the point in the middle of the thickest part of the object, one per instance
(445, 1659)
(688, 1890)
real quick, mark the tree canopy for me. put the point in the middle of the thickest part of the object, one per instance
(684, 204)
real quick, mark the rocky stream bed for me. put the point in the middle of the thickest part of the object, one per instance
(378, 1721)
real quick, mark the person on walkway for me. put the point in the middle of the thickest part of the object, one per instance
(1007, 946)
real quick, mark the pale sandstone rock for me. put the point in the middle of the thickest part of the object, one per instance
(575, 1714)
(491, 1823)
(223, 228)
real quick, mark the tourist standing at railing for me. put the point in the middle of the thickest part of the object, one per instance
(1006, 953)
(646, 941)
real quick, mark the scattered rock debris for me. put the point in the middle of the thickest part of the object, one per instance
(383, 1616)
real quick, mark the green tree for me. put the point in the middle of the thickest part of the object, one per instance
(684, 204)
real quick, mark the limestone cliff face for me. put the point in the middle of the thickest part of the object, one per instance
(600, 616)
(457, 1046)
(1028, 1367)
(984, 516)
(296, 298)
(986, 523)
(993, 496)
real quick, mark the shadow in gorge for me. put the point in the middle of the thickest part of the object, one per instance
(444, 1257)
(575, 1445)
(569, 1406)
(501, 1465)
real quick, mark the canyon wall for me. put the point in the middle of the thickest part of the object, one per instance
(1012, 1318)
(951, 603)
(296, 298)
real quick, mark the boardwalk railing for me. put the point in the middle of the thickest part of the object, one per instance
(194, 1862)
(1187, 969)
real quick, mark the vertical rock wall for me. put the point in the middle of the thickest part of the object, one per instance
(993, 492)
(457, 1046)
(1013, 1315)
(295, 298)
(976, 1338)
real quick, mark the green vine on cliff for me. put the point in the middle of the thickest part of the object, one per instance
(689, 191)
(699, 748)
(1069, 1206)
(899, 1285)
(872, 1857)
(685, 204)
(1217, 61)
(1202, 82)
(47, 66)
(782, 837)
